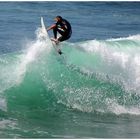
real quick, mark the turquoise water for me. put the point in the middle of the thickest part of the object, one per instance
(91, 91)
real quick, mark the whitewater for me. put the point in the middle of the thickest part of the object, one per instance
(94, 75)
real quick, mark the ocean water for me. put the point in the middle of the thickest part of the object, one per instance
(91, 91)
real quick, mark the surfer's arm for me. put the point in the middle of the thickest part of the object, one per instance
(51, 27)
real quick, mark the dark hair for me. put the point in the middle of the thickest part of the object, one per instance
(59, 17)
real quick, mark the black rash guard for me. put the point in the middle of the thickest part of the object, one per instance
(64, 28)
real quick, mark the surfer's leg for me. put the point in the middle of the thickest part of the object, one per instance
(55, 32)
(61, 32)
(63, 38)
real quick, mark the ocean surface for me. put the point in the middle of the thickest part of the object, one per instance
(91, 91)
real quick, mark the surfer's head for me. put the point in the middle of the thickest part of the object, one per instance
(58, 18)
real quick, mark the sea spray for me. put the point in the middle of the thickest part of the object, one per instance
(35, 49)
(14, 65)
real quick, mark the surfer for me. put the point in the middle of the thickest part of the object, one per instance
(63, 27)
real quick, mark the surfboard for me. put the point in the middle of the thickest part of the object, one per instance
(44, 31)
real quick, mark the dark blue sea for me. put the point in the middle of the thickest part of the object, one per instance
(91, 91)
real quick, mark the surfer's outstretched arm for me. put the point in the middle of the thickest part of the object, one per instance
(51, 27)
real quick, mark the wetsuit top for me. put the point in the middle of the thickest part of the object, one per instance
(64, 26)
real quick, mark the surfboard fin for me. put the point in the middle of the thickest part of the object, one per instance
(60, 52)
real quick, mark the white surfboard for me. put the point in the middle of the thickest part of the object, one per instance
(43, 26)
(44, 31)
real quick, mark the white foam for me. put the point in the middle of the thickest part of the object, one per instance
(114, 107)
(7, 123)
(3, 104)
(34, 50)
(118, 59)
(131, 37)
(14, 66)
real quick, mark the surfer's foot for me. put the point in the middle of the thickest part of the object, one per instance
(55, 40)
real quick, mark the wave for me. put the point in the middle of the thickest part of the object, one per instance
(94, 75)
